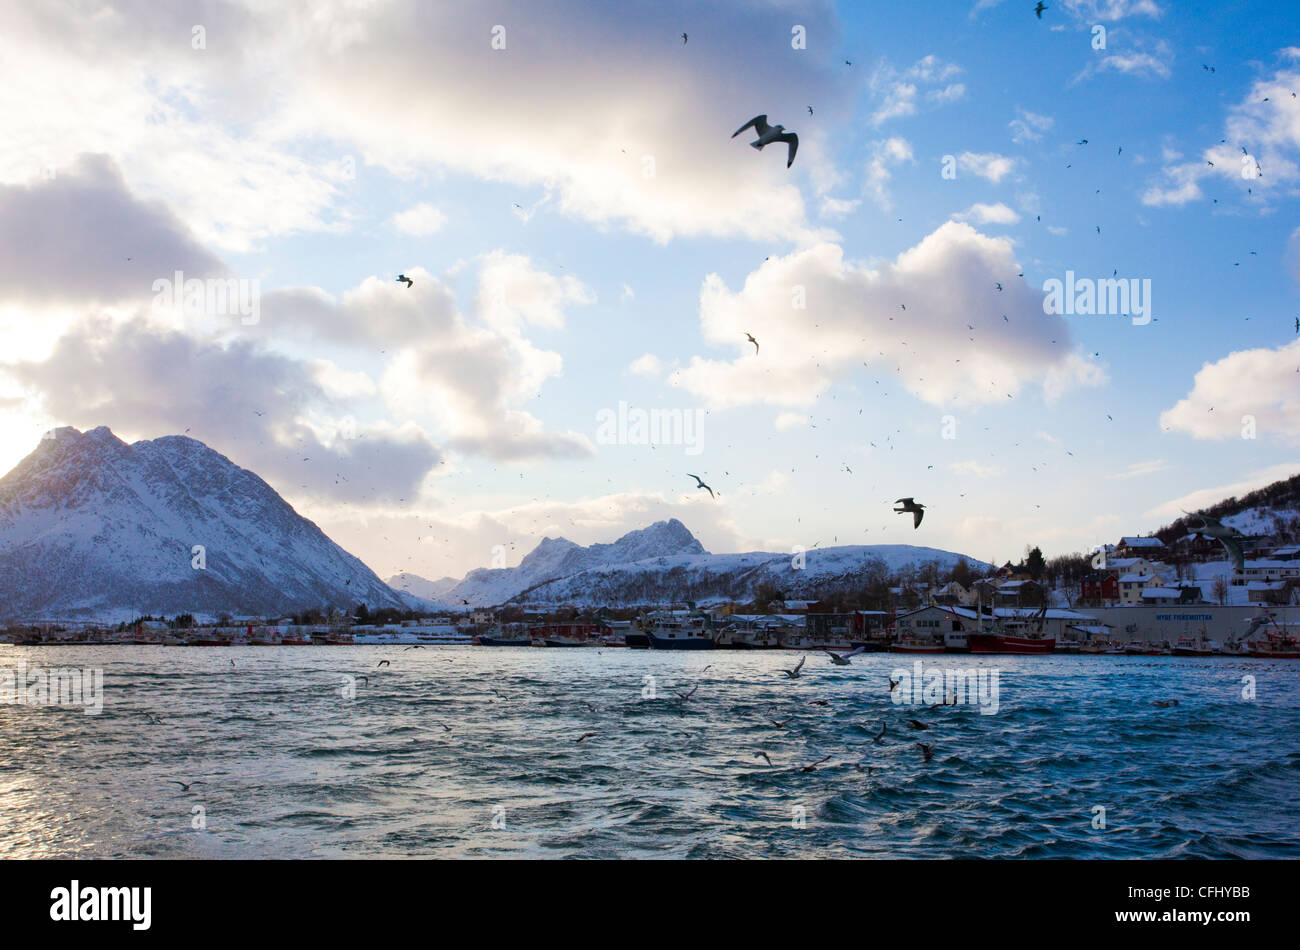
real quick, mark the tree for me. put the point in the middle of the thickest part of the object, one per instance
(1034, 563)
(1220, 589)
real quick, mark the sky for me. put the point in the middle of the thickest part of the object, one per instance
(588, 242)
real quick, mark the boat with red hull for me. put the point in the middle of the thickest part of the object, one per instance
(1008, 645)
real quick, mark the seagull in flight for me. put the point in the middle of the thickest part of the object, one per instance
(1213, 528)
(1040, 8)
(794, 673)
(907, 504)
(585, 735)
(751, 339)
(927, 749)
(684, 37)
(184, 786)
(767, 134)
(700, 484)
(879, 736)
(403, 279)
(842, 659)
(812, 767)
(764, 756)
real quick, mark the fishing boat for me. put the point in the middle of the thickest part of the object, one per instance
(1029, 644)
(1195, 646)
(1015, 636)
(681, 633)
(918, 645)
(747, 636)
(567, 634)
(1145, 648)
(1276, 645)
(506, 635)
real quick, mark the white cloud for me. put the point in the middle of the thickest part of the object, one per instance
(1269, 130)
(988, 214)
(421, 221)
(855, 314)
(353, 80)
(897, 92)
(789, 420)
(884, 154)
(1029, 126)
(1201, 498)
(512, 293)
(988, 165)
(1259, 388)
(646, 365)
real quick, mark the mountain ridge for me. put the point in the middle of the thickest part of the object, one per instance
(93, 527)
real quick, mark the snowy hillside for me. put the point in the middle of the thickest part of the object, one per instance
(433, 591)
(93, 528)
(665, 562)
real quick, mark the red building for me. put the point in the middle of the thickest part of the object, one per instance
(1099, 587)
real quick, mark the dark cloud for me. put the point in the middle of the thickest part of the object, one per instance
(245, 402)
(67, 239)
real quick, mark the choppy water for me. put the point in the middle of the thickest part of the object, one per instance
(293, 769)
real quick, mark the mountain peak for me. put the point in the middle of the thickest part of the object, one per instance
(92, 527)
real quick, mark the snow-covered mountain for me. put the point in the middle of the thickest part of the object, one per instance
(91, 527)
(665, 562)
(555, 558)
(421, 587)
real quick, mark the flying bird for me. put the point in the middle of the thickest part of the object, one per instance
(812, 767)
(764, 756)
(585, 735)
(186, 787)
(879, 736)
(794, 673)
(907, 504)
(843, 659)
(927, 749)
(700, 484)
(751, 339)
(1228, 537)
(767, 134)
(1040, 8)
(403, 279)
(684, 39)
(916, 724)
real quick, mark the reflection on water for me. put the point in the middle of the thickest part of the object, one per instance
(292, 768)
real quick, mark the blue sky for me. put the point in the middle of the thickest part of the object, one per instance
(324, 158)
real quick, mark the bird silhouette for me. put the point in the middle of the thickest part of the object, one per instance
(767, 134)
(908, 505)
(1040, 8)
(700, 484)
(752, 340)
(402, 278)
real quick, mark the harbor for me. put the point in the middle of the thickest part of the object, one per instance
(932, 629)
